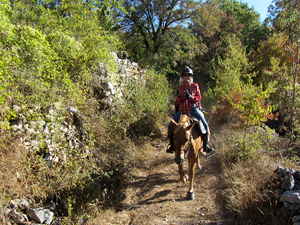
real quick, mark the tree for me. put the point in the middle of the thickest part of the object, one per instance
(247, 23)
(285, 17)
(150, 26)
(234, 85)
(108, 11)
(270, 51)
(213, 22)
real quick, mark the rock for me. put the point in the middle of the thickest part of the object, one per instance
(16, 128)
(123, 55)
(29, 112)
(41, 215)
(288, 182)
(296, 175)
(292, 207)
(17, 108)
(279, 170)
(23, 204)
(31, 132)
(296, 218)
(18, 218)
(291, 197)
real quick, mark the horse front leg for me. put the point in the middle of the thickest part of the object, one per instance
(179, 157)
(192, 167)
(181, 173)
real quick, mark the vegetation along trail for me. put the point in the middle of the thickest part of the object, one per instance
(85, 89)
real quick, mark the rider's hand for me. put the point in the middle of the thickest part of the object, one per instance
(188, 95)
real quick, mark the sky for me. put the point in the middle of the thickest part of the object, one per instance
(260, 6)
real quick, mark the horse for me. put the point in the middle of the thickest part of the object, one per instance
(188, 143)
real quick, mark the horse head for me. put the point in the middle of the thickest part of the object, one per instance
(182, 137)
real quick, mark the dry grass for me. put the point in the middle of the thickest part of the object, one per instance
(13, 175)
(247, 168)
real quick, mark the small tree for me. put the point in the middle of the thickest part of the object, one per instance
(235, 83)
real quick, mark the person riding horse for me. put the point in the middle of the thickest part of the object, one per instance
(188, 98)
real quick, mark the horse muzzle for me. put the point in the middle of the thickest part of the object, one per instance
(179, 159)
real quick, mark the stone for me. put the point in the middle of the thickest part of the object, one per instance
(41, 215)
(16, 128)
(18, 218)
(293, 207)
(296, 175)
(288, 182)
(296, 218)
(17, 108)
(291, 197)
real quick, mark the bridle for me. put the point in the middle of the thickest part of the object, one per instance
(186, 152)
(187, 148)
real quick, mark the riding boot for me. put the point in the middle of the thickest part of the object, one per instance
(171, 148)
(207, 147)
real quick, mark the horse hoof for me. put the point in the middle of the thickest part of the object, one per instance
(178, 161)
(190, 195)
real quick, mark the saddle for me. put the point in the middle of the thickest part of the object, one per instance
(199, 125)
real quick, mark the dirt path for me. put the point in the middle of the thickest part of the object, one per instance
(156, 196)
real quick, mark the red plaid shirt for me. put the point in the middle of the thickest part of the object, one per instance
(185, 105)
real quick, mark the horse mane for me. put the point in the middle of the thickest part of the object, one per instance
(182, 123)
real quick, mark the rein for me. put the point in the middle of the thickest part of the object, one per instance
(186, 152)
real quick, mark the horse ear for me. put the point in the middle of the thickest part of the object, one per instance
(189, 127)
(173, 121)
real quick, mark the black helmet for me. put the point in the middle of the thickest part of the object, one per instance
(187, 70)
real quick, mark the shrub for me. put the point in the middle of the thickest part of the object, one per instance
(248, 162)
(145, 106)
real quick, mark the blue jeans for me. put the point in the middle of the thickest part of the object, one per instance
(194, 112)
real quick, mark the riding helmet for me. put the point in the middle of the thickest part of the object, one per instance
(187, 70)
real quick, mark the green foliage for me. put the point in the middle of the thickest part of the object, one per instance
(270, 58)
(146, 104)
(253, 104)
(49, 49)
(154, 36)
(235, 83)
(247, 21)
(48, 54)
(233, 68)
(108, 13)
(285, 16)
(45, 53)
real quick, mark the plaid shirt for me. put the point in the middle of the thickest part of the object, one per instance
(185, 105)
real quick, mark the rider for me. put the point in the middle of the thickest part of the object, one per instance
(180, 83)
(188, 96)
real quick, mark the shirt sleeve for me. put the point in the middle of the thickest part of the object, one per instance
(196, 93)
(182, 94)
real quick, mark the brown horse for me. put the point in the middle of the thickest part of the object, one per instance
(187, 143)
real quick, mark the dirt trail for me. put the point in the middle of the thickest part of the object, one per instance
(156, 196)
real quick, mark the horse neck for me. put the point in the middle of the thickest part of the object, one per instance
(184, 122)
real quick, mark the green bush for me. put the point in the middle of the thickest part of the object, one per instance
(145, 107)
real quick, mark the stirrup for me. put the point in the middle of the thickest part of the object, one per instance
(209, 149)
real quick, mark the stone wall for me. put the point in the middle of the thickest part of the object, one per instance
(288, 192)
(109, 82)
(53, 130)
